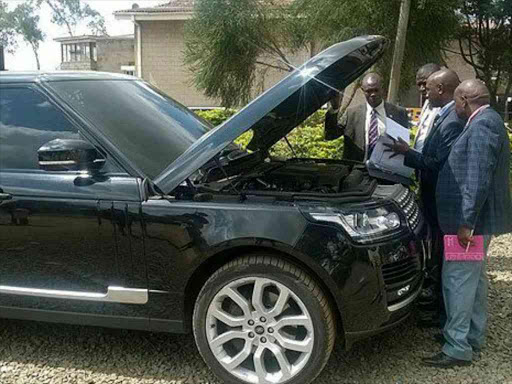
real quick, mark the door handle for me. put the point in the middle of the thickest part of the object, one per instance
(5, 196)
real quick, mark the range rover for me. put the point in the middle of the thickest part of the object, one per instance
(119, 207)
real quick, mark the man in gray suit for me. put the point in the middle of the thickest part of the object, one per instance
(362, 125)
(473, 197)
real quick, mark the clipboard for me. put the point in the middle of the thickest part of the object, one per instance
(453, 251)
(388, 176)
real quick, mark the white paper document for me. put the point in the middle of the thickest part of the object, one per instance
(382, 160)
(395, 130)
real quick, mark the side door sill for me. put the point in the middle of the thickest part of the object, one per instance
(134, 323)
(114, 294)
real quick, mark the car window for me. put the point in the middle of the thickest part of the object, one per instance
(148, 127)
(28, 120)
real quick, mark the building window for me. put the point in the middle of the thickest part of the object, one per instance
(79, 52)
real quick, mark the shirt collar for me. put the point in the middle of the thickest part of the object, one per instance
(473, 115)
(380, 108)
(445, 109)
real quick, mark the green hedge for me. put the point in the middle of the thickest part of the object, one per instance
(307, 140)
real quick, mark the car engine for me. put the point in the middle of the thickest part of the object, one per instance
(298, 177)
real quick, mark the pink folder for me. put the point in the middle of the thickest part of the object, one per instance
(453, 251)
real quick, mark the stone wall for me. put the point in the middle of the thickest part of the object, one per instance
(113, 53)
(162, 62)
(88, 65)
(163, 65)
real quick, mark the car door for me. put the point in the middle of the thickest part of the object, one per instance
(69, 241)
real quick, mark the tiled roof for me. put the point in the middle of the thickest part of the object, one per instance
(185, 6)
(170, 6)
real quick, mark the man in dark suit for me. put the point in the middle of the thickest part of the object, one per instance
(473, 196)
(446, 128)
(363, 124)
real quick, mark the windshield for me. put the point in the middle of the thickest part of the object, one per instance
(148, 127)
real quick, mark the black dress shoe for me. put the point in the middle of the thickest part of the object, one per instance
(439, 337)
(444, 361)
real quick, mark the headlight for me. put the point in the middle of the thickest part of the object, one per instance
(360, 225)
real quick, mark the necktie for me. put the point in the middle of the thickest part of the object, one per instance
(373, 132)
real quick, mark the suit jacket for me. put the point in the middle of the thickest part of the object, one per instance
(444, 131)
(353, 126)
(473, 186)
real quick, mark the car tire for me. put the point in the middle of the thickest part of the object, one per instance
(260, 319)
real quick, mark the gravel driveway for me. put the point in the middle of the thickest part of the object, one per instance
(37, 353)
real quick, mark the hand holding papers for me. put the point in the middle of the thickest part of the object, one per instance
(389, 163)
(395, 130)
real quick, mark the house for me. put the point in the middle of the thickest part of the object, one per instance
(159, 58)
(98, 53)
(159, 46)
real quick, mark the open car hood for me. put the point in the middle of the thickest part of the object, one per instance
(283, 107)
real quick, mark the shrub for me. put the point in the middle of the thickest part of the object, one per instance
(216, 116)
(307, 140)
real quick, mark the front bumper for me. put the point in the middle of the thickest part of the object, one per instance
(377, 284)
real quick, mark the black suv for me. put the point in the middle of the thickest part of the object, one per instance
(119, 207)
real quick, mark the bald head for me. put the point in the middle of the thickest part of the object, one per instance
(447, 78)
(476, 92)
(471, 95)
(441, 86)
(423, 74)
(372, 79)
(372, 89)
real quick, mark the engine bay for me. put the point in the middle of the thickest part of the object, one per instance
(297, 177)
(312, 177)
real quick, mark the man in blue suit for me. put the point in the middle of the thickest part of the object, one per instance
(473, 196)
(446, 127)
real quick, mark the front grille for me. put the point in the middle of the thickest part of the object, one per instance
(400, 273)
(407, 202)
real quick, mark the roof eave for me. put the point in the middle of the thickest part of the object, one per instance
(154, 16)
(81, 39)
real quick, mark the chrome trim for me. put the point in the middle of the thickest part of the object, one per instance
(60, 162)
(409, 300)
(113, 295)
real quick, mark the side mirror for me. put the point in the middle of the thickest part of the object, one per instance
(69, 155)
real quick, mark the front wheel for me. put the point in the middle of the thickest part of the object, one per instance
(260, 319)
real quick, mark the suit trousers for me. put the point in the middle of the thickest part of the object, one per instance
(434, 264)
(465, 289)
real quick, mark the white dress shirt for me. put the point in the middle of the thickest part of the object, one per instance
(427, 116)
(381, 119)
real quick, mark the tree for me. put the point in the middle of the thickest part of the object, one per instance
(70, 13)
(7, 33)
(26, 25)
(398, 54)
(229, 42)
(484, 38)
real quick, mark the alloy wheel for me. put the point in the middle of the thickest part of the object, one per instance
(259, 330)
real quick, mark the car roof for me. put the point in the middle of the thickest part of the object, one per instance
(7, 77)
